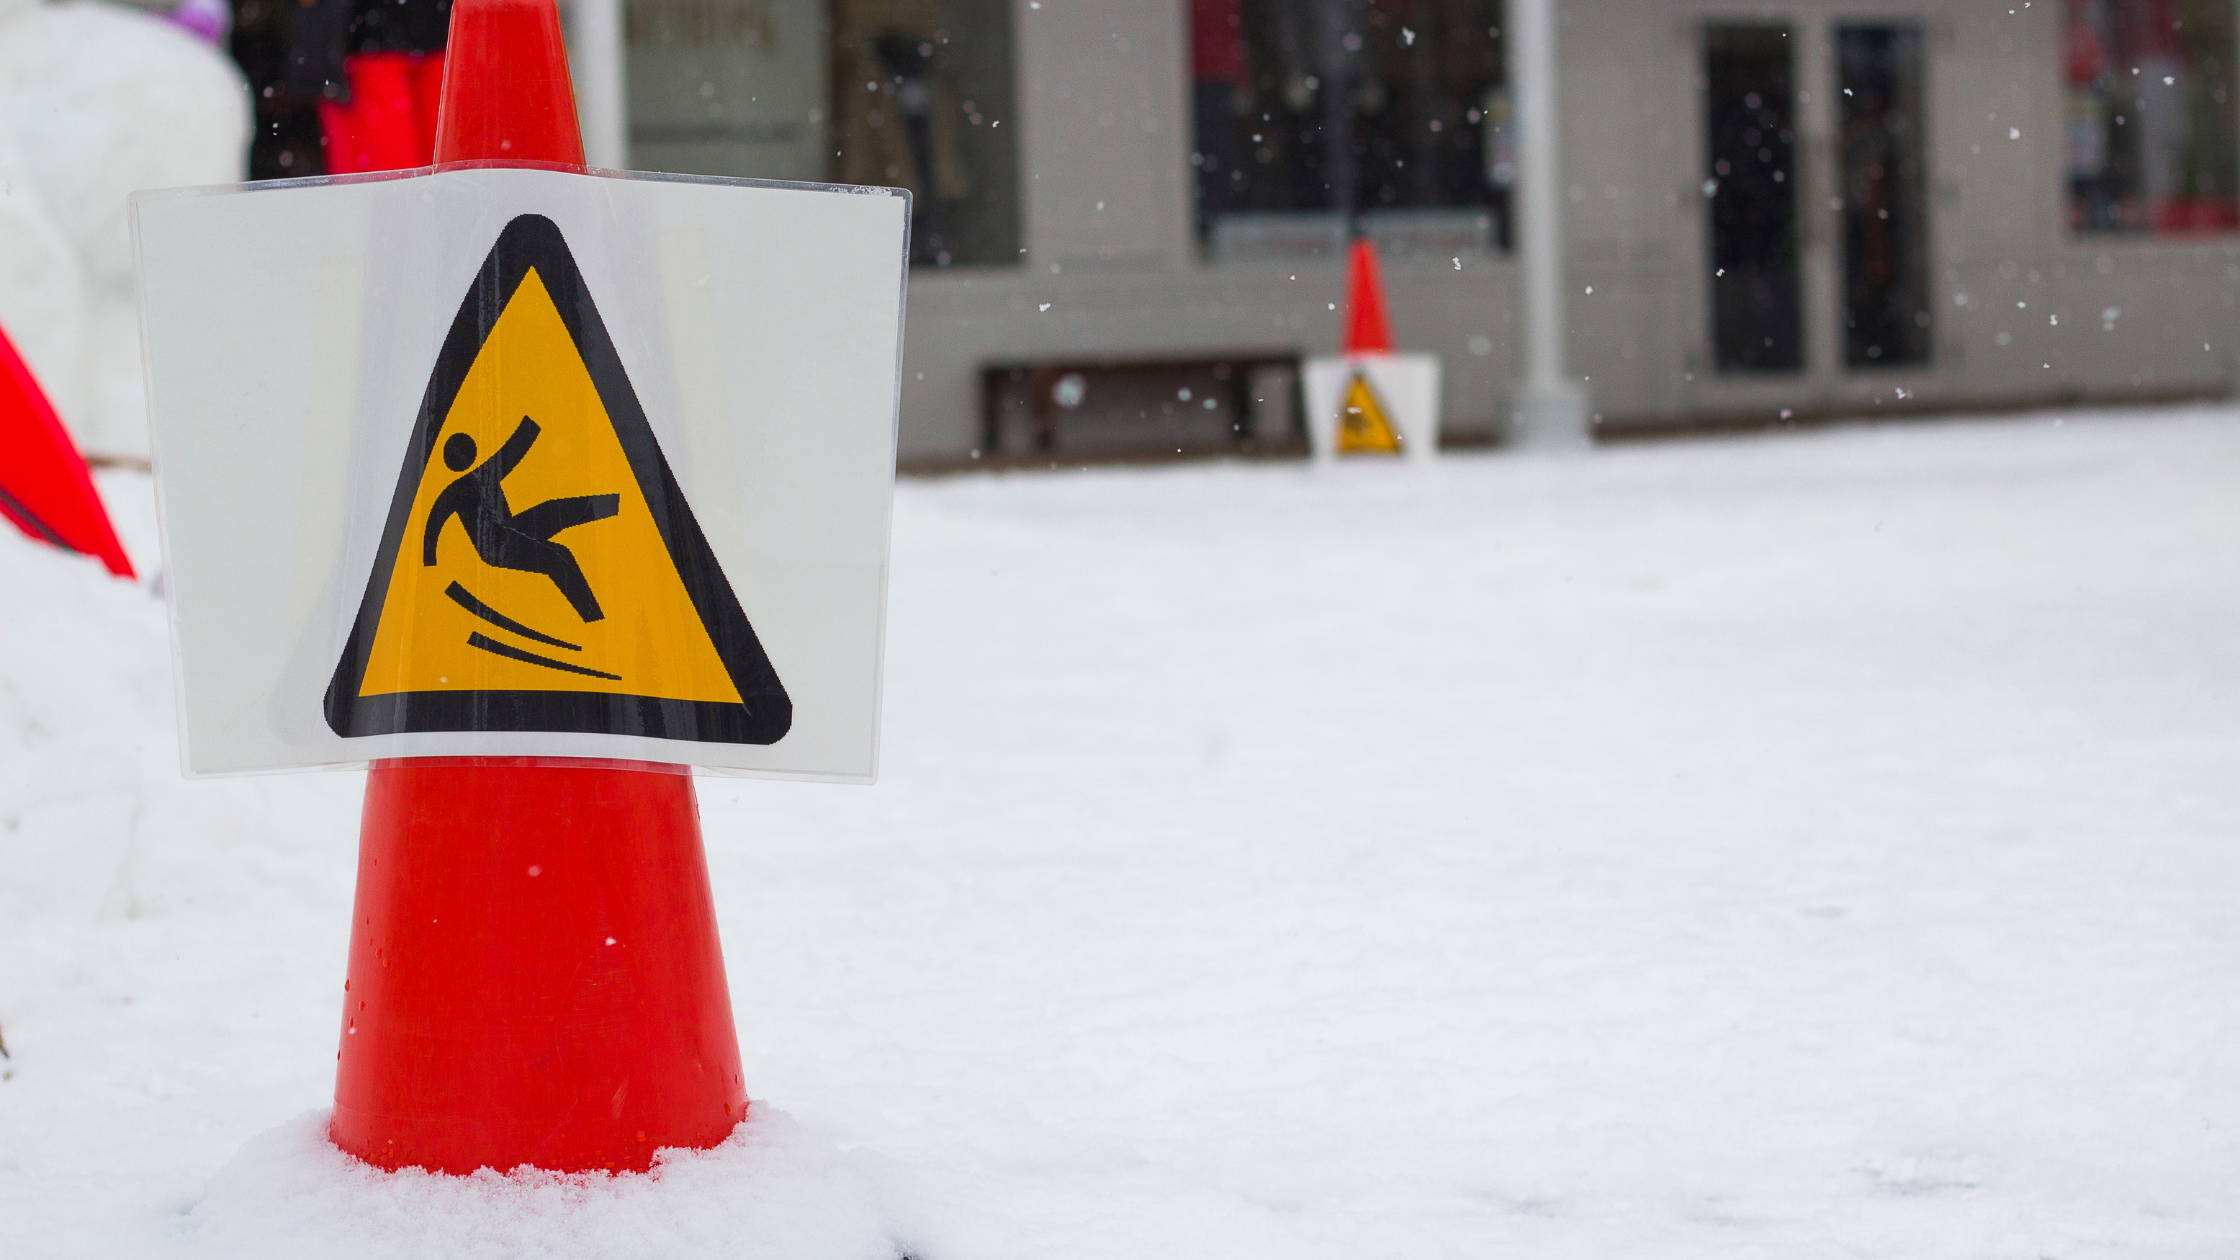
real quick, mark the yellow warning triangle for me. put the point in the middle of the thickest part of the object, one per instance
(1364, 426)
(540, 569)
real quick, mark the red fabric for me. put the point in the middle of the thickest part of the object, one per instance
(1217, 51)
(389, 122)
(1368, 331)
(2197, 214)
(2157, 29)
(45, 490)
(2087, 51)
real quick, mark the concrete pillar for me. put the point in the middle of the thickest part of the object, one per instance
(1547, 409)
(596, 37)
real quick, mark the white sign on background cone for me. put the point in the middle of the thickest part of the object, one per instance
(1371, 405)
(494, 462)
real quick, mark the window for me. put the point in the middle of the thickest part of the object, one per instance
(2149, 130)
(1319, 118)
(922, 99)
(1880, 70)
(913, 94)
(1757, 276)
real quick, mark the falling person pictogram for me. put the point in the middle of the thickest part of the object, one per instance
(522, 541)
(506, 539)
(1364, 426)
(626, 627)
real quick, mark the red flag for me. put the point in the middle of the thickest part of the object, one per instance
(44, 486)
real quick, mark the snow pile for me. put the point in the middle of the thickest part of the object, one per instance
(96, 101)
(43, 305)
(771, 1191)
(1805, 847)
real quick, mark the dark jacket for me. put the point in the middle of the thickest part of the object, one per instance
(323, 32)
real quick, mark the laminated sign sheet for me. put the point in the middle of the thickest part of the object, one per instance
(523, 462)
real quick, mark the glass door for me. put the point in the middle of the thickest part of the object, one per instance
(1883, 190)
(1814, 181)
(1757, 278)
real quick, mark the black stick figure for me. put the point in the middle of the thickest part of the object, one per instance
(506, 539)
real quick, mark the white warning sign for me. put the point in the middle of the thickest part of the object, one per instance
(1373, 405)
(470, 595)
(513, 462)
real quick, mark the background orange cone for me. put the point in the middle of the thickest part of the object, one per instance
(1368, 331)
(534, 973)
(506, 92)
(1370, 399)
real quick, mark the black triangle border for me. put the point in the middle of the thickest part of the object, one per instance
(765, 713)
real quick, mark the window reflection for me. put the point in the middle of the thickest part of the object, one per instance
(912, 94)
(922, 100)
(2149, 128)
(1880, 70)
(1315, 118)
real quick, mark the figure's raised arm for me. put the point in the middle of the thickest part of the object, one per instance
(516, 446)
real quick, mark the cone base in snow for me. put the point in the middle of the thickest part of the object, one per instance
(534, 976)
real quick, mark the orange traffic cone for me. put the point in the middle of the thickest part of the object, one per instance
(506, 92)
(1367, 329)
(534, 971)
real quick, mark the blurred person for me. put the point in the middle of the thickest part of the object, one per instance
(903, 132)
(376, 69)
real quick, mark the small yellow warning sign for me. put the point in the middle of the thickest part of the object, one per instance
(1364, 425)
(541, 569)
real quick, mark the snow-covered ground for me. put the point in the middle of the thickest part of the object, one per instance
(1815, 846)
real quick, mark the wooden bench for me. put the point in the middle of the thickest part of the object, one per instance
(1040, 381)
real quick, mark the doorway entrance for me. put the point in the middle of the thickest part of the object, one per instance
(1814, 171)
(1757, 300)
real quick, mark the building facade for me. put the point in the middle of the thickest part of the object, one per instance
(1130, 214)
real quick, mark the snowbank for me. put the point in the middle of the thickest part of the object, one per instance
(1800, 848)
(97, 100)
(771, 1191)
(43, 303)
